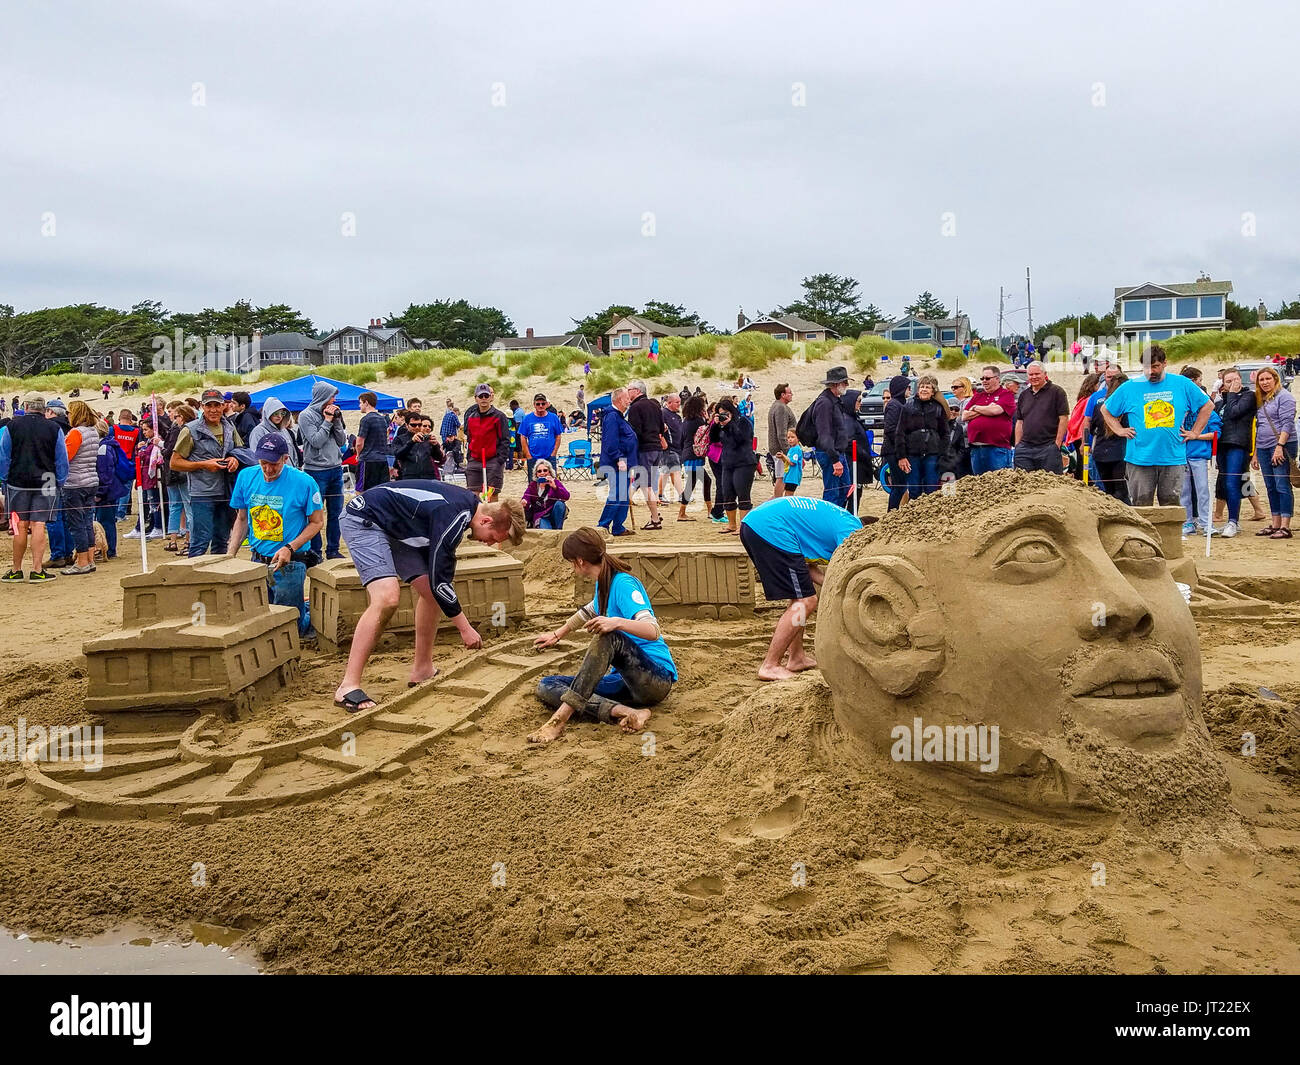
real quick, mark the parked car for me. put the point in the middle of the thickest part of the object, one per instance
(872, 412)
(1248, 369)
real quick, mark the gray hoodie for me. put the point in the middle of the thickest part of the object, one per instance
(322, 442)
(263, 427)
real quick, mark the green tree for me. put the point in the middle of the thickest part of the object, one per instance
(673, 314)
(595, 325)
(926, 306)
(1077, 325)
(832, 300)
(1240, 317)
(1287, 310)
(455, 323)
(242, 319)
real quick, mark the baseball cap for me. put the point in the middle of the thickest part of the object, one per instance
(539, 398)
(271, 448)
(57, 403)
(33, 401)
(211, 395)
(227, 397)
(484, 389)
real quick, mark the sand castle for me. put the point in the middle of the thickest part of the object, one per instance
(1029, 615)
(489, 584)
(710, 581)
(197, 634)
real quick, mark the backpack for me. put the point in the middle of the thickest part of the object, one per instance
(700, 442)
(806, 429)
(124, 463)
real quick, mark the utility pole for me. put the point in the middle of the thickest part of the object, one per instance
(956, 320)
(1030, 301)
(1000, 299)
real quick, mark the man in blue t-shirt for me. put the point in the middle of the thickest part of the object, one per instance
(1157, 405)
(280, 510)
(539, 434)
(790, 539)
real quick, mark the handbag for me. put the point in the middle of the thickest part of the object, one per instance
(1292, 468)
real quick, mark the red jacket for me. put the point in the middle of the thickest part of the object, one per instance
(488, 434)
(128, 439)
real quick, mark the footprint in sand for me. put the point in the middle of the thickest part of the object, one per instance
(703, 887)
(774, 824)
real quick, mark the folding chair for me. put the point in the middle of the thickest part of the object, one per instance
(578, 463)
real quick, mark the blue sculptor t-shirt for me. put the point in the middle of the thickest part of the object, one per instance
(541, 433)
(627, 599)
(803, 525)
(277, 510)
(1157, 412)
(794, 474)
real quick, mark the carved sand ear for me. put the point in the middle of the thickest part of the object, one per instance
(892, 624)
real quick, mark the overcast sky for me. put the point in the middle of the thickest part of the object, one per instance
(1098, 144)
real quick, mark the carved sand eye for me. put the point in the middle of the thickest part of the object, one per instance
(1137, 549)
(1032, 551)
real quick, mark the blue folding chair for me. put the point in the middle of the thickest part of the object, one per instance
(578, 463)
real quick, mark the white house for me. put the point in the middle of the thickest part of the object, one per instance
(941, 332)
(1151, 312)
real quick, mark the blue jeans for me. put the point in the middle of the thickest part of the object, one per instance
(330, 483)
(212, 520)
(616, 507)
(124, 504)
(636, 681)
(986, 457)
(1232, 465)
(78, 508)
(924, 477)
(286, 586)
(106, 515)
(897, 481)
(1196, 492)
(835, 489)
(556, 519)
(178, 504)
(1277, 480)
(57, 531)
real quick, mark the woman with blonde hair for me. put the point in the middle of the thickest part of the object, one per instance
(82, 443)
(627, 641)
(1275, 441)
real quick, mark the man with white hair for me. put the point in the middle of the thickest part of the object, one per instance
(618, 457)
(1042, 416)
(646, 418)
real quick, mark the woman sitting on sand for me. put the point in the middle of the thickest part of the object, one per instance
(627, 641)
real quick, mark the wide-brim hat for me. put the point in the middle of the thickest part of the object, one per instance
(836, 375)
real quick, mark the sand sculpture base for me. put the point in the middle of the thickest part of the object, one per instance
(489, 584)
(709, 580)
(197, 633)
(1210, 597)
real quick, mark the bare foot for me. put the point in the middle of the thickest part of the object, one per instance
(774, 673)
(798, 665)
(419, 676)
(548, 733)
(635, 720)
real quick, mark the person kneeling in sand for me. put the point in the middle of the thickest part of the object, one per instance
(789, 540)
(408, 531)
(627, 640)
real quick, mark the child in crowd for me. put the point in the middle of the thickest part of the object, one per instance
(793, 461)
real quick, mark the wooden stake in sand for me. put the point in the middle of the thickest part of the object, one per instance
(144, 551)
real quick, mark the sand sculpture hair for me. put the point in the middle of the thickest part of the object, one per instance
(1036, 619)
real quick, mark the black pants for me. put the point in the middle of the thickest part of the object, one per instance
(735, 487)
(1114, 481)
(715, 511)
(696, 472)
(373, 474)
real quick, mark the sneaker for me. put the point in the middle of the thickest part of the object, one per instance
(1189, 528)
(14, 576)
(134, 534)
(1230, 529)
(156, 535)
(73, 571)
(41, 575)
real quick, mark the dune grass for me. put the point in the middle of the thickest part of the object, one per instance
(1235, 344)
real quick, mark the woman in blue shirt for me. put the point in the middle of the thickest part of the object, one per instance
(627, 668)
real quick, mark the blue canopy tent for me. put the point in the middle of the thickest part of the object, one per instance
(598, 407)
(296, 394)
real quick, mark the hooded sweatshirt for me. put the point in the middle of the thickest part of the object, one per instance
(322, 441)
(273, 406)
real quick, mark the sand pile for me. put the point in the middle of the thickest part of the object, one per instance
(1274, 722)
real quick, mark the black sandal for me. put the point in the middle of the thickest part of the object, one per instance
(1266, 532)
(659, 524)
(1281, 534)
(351, 702)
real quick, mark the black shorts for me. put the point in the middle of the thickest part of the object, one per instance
(784, 574)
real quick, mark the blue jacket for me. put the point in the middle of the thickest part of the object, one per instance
(1200, 449)
(617, 441)
(111, 486)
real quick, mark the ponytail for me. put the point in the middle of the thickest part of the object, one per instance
(587, 544)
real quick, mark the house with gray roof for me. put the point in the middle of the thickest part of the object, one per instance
(633, 333)
(530, 342)
(941, 332)
(1151, 312)
(355, 344)
(784, 327)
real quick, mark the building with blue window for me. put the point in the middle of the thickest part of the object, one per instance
(941, 332)
(1151, 313)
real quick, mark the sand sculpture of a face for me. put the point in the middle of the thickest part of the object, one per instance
(1033, 604)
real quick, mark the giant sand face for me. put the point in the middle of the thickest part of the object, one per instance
(1025, 637)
